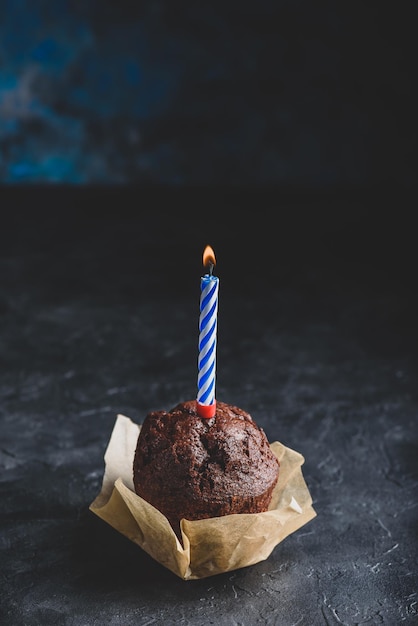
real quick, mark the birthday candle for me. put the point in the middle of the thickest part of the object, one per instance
(208, 320)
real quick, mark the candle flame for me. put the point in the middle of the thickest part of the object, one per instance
(209, 259)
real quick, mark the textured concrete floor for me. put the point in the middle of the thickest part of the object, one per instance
(317, 340)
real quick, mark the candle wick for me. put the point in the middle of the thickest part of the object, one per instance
(211, 266)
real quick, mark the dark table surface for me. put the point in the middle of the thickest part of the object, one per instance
(317, 339)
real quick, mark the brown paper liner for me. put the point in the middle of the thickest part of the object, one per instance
(210, 546)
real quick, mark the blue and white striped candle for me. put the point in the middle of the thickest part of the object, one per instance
(208, 322)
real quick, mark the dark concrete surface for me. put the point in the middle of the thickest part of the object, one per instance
(317, 339)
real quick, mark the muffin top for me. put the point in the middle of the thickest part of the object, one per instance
(185, 461)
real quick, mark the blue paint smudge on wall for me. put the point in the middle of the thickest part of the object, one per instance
(104, 92)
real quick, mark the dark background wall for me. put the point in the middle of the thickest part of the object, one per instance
(305, 94)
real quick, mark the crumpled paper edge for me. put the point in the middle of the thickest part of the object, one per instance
(210, 546)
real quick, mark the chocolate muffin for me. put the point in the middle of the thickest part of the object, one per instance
(191, 467)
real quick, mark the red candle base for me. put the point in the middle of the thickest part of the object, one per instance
(206, 410)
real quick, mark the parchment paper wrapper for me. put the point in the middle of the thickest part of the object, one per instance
(210, 546)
